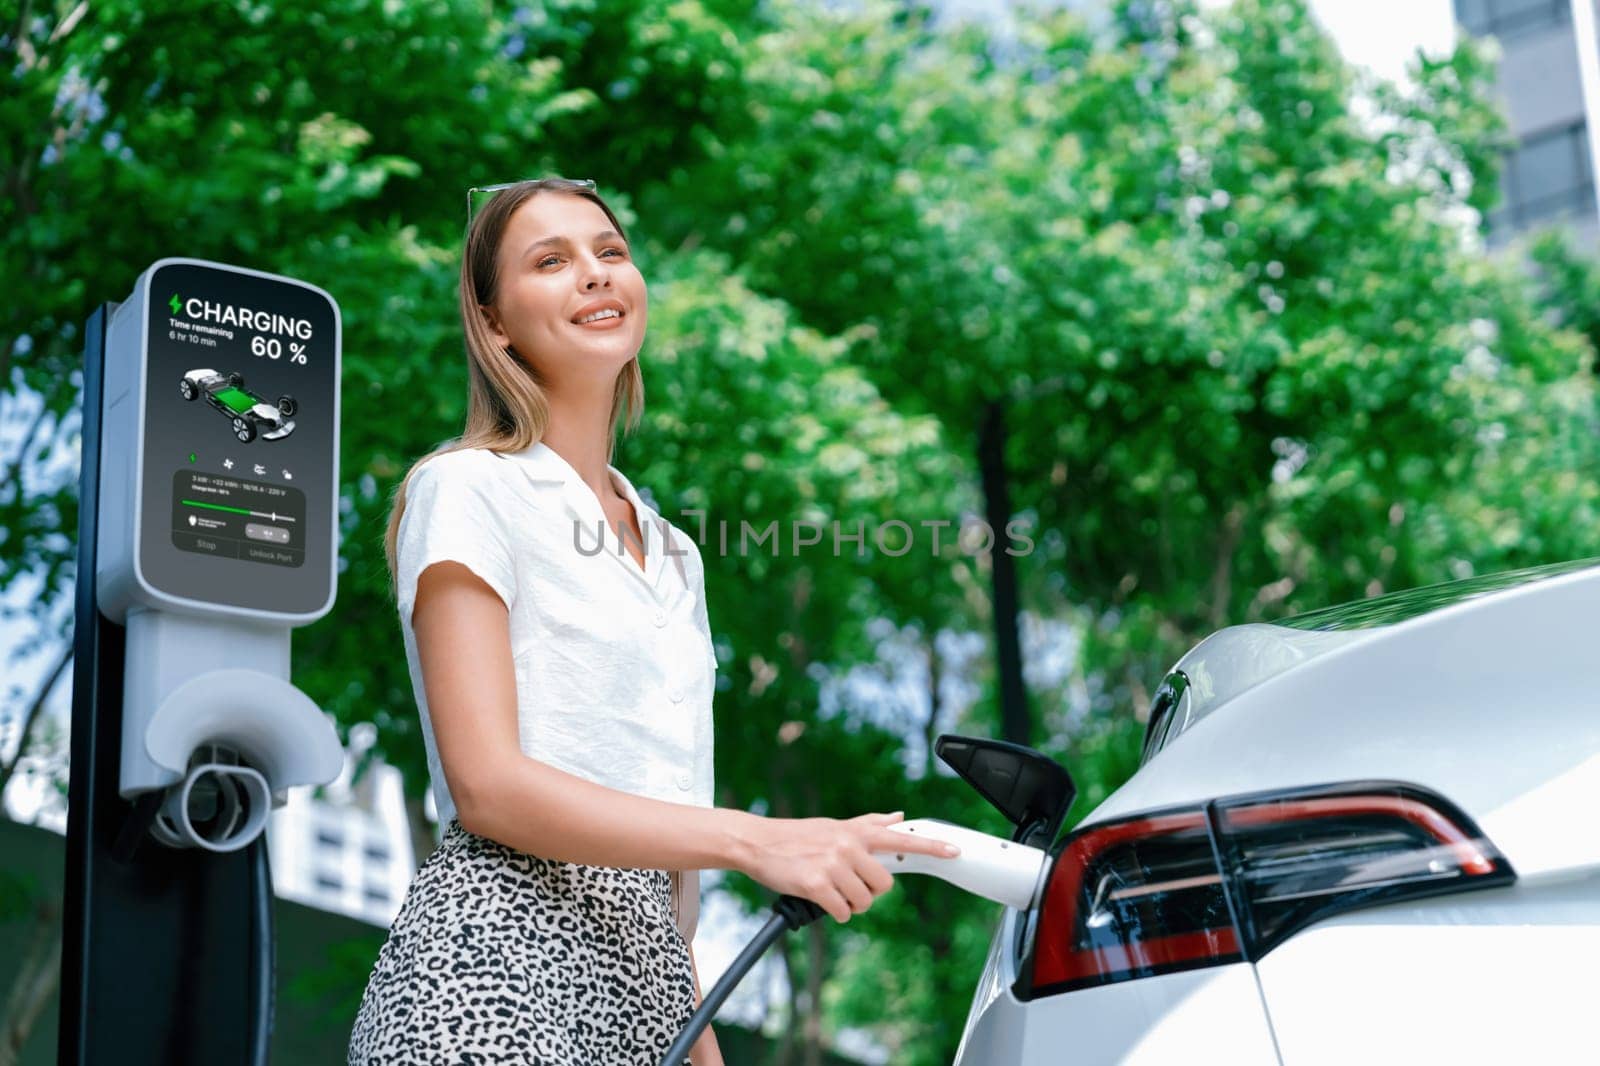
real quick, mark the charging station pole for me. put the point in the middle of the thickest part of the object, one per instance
(197, 552)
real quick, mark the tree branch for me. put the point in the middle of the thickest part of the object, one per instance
(15, 469)
(34, 983)
(10, 766)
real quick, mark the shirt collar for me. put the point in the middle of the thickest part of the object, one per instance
(543, 464)
(546, 464)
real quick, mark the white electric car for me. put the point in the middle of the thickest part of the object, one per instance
(1365, 835)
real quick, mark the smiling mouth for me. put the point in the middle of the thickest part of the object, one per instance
(603, 320)
(602, 325)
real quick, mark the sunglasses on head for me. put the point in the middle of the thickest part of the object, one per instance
(479, 195)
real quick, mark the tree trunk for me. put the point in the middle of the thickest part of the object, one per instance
(1222, 572)
(786, 1047)
(817, 945)
(930, 731)
(1015, 720)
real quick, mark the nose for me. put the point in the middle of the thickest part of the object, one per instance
(595, 273)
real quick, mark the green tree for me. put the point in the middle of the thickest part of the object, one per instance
(1254, 356)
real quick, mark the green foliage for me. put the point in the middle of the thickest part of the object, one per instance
(1254, 357)
(333, 991)
(1245, 337)
(1570, 288)
(19, 895)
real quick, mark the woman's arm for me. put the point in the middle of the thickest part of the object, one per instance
(463, 636)
(464, 645)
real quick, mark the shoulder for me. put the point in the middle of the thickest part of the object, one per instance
(471, 464)
(682, 539)
(687, 548)
(466, 472)
(687, 543)
(462, 486)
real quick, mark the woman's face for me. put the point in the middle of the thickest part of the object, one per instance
(561, 261)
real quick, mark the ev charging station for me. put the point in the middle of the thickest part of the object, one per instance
(208, 530)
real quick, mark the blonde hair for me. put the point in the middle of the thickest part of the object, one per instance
(507, 409)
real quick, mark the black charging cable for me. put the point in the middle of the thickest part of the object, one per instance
(790, 912)
(262, 976)
(263, 964)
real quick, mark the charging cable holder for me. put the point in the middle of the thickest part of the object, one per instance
(224, 745)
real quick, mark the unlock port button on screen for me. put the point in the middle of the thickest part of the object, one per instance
(270, 534)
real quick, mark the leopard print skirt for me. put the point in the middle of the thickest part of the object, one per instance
(498, 956)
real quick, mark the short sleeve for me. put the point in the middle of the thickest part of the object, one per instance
(451, 515)
(697, 583)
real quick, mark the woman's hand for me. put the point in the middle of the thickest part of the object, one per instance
(829, 861)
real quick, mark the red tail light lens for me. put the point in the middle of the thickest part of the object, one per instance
(1231, 880)
(1131, 899)
(1296, 859)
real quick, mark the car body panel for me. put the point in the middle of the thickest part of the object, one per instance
(1501, 976)
(1231, 662)
(1212, 1015)
(1484, 694)
(1237, 658)
(1506, 678)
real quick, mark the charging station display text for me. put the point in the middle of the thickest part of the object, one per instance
(241, 397)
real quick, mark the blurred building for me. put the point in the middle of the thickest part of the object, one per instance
(348, 849)
(1548, 86)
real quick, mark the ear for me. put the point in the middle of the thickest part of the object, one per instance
(492, 321)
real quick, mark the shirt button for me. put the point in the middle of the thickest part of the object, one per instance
(660, 618)
(676, 695)
(684, 782)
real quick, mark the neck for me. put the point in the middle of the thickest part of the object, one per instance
(577, 431)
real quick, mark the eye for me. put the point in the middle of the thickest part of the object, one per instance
(619, 251)
(546, 259)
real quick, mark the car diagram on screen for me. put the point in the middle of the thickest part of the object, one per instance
(251, 415)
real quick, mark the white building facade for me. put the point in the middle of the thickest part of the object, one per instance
(348, 850)
(1547, 87)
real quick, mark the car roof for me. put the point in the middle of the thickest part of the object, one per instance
(1413, 603)
(1235, 659)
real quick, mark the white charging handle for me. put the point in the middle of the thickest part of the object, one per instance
(988, 866)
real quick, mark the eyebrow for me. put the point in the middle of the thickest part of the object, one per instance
(603, 235)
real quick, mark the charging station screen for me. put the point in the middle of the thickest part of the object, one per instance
(235, 519)
(241, 394)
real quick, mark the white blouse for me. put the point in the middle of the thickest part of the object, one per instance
(614, 665)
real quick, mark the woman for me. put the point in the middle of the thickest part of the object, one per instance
(564, 691)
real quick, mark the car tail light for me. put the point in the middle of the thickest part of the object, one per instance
(1230, 880)
(1134, 898)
